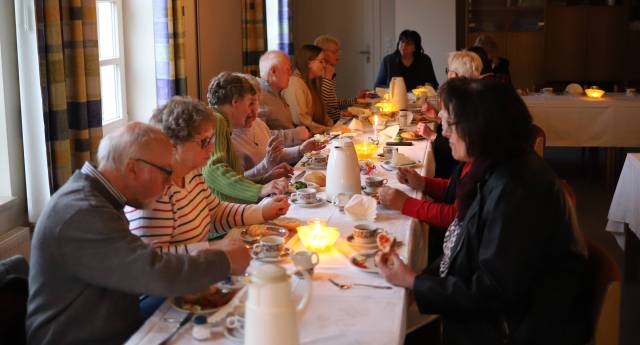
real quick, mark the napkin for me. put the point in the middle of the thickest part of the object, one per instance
(401, 159)
(390, 131)
(574, 89)
(362, 207)
(355, 125)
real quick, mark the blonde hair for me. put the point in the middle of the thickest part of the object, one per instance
(268, 60)
(465, 64)
(130, 141)
(323, 41)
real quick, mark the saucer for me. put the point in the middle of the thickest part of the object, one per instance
(362, 246)
(372, 194)
(389, 165)
(286, 253)
(364, 262)
(318, 202)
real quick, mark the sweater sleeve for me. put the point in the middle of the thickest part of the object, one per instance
(221, 178)
(112, 257)
(435, 187)
(227, 215)
(298, 97)
(290, 137)
(433, 213)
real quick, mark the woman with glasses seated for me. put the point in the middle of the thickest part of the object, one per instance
(234, 100)
(514, 264)
(182, 219)
(262, 151)
(304, 91)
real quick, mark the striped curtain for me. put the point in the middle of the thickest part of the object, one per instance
(70, 84)
(168, 28)
(285, 37)
(254, 35)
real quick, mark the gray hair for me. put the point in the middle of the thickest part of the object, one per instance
(227, 86)
(268, 60)
(252, 80)
(180, 119)
(465, 63)
(323, 41)
(487, 42)
(118, 147)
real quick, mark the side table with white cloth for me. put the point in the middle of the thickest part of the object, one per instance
(624, 223)
(335, 316)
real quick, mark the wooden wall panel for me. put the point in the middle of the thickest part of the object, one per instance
(525, 51)
(565, 42)
(605, 43)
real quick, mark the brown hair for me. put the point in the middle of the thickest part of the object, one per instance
(226, 86)
(181, 118)
(304, 55)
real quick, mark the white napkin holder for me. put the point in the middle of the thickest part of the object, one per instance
(362, 207)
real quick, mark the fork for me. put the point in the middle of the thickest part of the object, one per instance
(349, 286)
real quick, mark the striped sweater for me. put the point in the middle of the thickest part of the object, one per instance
(181, 219)
(224, 172)
(330, 99)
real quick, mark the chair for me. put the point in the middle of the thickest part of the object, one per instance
(14, 291)
(604, 277)
(539, 140)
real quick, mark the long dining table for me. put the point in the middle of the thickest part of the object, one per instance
(334, 316)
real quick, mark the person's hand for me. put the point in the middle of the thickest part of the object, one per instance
(392, 198)
(311, 145)
(429, 111)
(275, 147)
(235, 249)
(279, 186)
(411, 178)
(275, 207)
(424, 130)
(281, 170)
(394, 270)
(362, 94)
(329, 71)
(302, 133)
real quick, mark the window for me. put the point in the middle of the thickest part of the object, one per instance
(111, 55)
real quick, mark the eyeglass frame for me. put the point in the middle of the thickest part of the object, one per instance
(204, 142)
(166, 171)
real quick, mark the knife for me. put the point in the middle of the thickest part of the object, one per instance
(175, 331)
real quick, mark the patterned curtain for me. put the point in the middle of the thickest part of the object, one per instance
(254, 35)
(70, 84)
(168, 22)
(285, 37)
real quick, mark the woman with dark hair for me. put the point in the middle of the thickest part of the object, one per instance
(513, 269)
(304, 91)
(409, 62)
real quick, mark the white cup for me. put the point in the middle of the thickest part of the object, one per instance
(404, 118)
(547, 91)
(305, 260)
(269, 247)
(630, 91)
(305, 196)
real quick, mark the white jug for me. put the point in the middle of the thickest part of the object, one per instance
(270, 313)
(343, 171)
(398, 92)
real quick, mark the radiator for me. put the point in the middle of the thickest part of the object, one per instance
(16, 241)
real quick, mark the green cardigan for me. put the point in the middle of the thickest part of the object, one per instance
(224, 172)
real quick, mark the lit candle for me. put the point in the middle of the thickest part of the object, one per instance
(375, 127)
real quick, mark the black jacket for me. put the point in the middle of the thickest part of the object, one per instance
(418, 73)
(515, 276)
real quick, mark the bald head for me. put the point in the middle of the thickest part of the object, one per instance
(136, 139)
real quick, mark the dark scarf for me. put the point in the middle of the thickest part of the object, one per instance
(466, 190)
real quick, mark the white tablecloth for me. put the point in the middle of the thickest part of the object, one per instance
(356, 316)
(625, 206)
(612, 121)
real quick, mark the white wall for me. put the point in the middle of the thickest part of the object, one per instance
(435, 21)
(12, 162)
(139, 59)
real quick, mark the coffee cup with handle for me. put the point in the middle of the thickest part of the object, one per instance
(269, 247)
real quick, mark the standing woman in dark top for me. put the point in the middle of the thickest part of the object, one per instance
(409, 62)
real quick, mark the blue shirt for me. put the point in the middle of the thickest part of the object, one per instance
(418, 73)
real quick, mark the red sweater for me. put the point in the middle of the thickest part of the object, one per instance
(434, 213)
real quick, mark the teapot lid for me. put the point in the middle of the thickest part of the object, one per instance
(269, 273)
(342, 142)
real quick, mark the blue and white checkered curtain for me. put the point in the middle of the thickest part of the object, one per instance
(285, 40)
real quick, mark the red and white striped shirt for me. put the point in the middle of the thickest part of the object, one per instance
(181, 219)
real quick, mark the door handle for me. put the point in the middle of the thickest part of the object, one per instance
(367, 53)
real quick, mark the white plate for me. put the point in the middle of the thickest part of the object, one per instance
(283, 256)
(319, 201)
(365, 247)
(177, 303)
(389, 165)
(366, 266)
(273, 230)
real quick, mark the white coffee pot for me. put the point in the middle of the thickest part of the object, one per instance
(270, 313)
(398, 92)
(343, 171)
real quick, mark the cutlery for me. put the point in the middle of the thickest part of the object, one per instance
(349, 286)
(175, 331)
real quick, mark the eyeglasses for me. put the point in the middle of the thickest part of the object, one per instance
(167, 171)
(320, 61)
(204, 142)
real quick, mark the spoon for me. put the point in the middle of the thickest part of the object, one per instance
(349, 286)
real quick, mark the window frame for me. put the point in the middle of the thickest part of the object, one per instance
(112, 125)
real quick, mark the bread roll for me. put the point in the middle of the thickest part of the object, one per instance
(316, 177)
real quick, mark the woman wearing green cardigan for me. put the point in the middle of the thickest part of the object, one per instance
(232, 99)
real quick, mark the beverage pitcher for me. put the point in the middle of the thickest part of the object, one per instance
(398, 92)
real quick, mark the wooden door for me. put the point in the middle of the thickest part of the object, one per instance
(525, 51)
(605, 43)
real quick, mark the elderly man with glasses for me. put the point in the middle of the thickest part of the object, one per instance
(88, 270)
